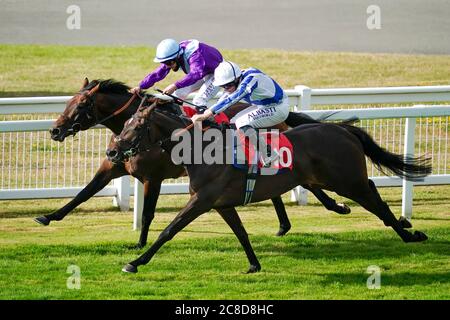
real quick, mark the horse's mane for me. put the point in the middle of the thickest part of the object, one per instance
(170, 110)
(108, 86)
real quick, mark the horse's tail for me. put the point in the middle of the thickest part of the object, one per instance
(408, 167)
(298, 118)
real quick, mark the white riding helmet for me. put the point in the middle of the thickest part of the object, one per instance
(226, 72)
(167, 49)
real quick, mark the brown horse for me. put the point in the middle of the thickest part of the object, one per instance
(99, 101)
(326, 156)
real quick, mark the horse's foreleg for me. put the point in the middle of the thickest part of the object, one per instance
(104, 175)
(231, 217)
(285, 224)
(328, 202)
(193, 209)
(151, 195)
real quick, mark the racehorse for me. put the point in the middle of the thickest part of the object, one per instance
(325, 156)
(103, 101)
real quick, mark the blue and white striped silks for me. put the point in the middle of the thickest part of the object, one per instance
(255, 88)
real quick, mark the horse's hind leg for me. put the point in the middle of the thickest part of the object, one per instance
(232, 219)
(285, 224)
(328, 202)
(403, 221)
(368, 197)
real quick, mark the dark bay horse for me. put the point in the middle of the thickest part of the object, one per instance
(326, 156)
(99, 100)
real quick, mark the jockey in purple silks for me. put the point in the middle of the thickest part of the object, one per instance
(197, 60)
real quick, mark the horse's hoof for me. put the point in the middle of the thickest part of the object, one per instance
(343, 208)
(42, 220)
(404, 223)
(254, 269)
(129, 268)
(283, 231)
(419, 236)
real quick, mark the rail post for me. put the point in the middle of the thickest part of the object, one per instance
(122, 197)
(407, 186)
(138, 204)
(300, 194)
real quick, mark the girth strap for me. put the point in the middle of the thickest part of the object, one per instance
(252, 173)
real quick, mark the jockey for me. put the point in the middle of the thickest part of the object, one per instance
(197, 60)
(269, 105)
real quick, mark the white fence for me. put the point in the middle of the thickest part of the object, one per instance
(27, 172)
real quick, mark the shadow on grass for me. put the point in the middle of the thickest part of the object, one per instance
(398, 279)
(430, 218)
(351, 246)
(368, 245)
(35, 212)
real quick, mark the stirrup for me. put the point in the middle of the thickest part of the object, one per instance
(267, 161)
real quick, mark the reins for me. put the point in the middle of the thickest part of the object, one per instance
(118, 111)
(134, 150)
(181, 131)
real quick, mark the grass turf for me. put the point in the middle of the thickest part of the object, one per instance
(324, 256)
(32, 70)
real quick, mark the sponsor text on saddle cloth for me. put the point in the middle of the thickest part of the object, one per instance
(278, 142)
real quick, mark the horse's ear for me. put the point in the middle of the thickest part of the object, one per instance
(85, 83)
(94, 90)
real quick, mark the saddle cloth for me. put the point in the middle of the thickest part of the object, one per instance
(278, 143)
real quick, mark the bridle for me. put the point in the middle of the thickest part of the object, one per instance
(136, 148)
(87, 108)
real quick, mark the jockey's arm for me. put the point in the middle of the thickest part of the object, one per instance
(201, 117)
(155, 76)
(196, 72)
(244, 89)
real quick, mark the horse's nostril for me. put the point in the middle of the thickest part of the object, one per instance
(55, 131)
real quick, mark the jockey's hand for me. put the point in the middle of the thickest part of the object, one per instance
(201, 117)
(170, 89)
(135, 90)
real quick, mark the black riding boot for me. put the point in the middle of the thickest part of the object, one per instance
(267, 154)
